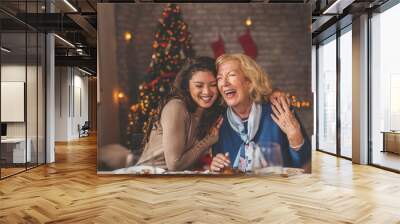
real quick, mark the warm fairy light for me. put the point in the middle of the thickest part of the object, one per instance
(128, 36)
(298, 103)
(135, 108)
(248, 22)
(121, 95)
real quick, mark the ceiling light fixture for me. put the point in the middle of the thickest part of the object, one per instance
(65, 41)
(79, 51)
(337, 7)
(70, 5)
(5, 50)
(84, 71)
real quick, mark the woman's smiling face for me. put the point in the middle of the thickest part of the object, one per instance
(203, 88)
(233, 84)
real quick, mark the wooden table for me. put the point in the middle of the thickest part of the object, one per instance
(391, 141)
(148, 170)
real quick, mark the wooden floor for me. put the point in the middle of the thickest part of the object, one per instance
(5, 172)
(387, 159)
(69, 191)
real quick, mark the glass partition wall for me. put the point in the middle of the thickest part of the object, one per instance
(22, 94)
(385, 89)
(334, 94)
(345, 62)
(326, 110)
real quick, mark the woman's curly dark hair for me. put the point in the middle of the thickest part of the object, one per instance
(180, 90)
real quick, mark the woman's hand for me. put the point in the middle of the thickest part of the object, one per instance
(215, 128)
(219, 162)
(286, 120)
(277, 93)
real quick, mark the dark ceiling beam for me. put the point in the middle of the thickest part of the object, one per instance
(337, 7)
(49, 22)
(81, 61)
(7, 24)
(321, 23)
(201, 1)
(330, 28)
(87, 51)
(91, 5)
(285, 1)
(84, 24)
(22, 21)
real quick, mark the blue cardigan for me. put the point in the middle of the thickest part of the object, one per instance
(268, 132)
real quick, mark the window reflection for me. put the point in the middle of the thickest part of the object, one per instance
(327, 96)
(385, 85)
(346, 94)
(22, 80)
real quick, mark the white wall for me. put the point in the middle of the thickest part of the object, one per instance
(33, 127)
(71, 102)
(61, 103)
(81, 103)
(314, 91)
(16, 73)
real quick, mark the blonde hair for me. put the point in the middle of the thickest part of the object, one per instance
(261, 86)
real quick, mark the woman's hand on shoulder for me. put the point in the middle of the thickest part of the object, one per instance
(214, 132)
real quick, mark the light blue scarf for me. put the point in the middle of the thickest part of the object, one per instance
(244, 159)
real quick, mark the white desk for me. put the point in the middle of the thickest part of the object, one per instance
(17, 146)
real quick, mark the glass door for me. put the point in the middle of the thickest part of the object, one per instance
(385, 89)
(346, 92)
(326, 84)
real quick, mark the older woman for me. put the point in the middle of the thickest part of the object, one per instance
(251, 122)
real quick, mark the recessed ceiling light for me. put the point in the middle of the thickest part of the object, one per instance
(70, 5)
(65, 41)
(337, 7)
(84, 71)
(5, 50)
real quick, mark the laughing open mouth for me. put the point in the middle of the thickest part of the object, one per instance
(230, 93)
(206, 99)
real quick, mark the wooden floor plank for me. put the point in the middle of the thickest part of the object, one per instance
(70, 191)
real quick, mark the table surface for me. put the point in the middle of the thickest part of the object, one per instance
(13, 140)
(390, 132)
(148, 170)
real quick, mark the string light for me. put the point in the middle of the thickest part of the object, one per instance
(128, 36)
(121, 95)
(248, 22)
(294, 102)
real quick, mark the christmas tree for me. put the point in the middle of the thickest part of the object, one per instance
(171, 46)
